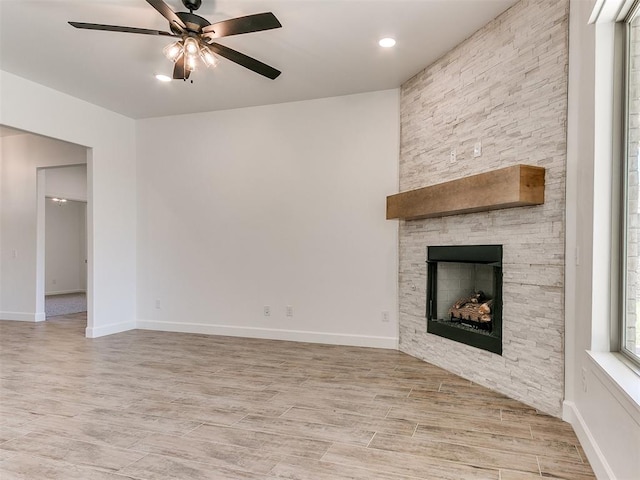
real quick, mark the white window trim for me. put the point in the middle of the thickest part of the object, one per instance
(612, 368)
(607, 11)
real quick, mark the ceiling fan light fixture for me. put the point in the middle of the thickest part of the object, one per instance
(190, 62)
(191, 46)
(208, 58)
(173, 51)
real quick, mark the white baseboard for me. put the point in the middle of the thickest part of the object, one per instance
(271, 334)
(64, 292)
(601, 468)
(23, 316)
(110, 329)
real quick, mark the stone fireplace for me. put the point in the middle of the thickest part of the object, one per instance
(503, 87)
(464, 294)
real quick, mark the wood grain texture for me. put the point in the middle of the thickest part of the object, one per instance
(515, 186)
(150, 405)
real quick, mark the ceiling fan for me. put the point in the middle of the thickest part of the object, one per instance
(195, 37)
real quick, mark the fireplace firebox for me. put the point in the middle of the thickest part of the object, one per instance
(464, 294)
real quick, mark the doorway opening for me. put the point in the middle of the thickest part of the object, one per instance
(35, 169)
(65, 256)
(65, 239)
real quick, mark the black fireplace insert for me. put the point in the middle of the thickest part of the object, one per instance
(464, 294)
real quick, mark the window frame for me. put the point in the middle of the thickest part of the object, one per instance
(619, 327)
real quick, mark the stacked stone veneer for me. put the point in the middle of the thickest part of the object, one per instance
(505, 86)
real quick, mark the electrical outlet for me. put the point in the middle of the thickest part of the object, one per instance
(267, 310)
(385, 317)
(54, 281)
(14, 254)
(289, 311)
(453, 156)
(158, 304)
(477, 149)
(584, 379)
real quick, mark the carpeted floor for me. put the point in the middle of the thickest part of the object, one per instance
(55, 305)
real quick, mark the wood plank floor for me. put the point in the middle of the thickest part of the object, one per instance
(152, 405)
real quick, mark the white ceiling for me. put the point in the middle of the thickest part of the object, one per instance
(325, 48)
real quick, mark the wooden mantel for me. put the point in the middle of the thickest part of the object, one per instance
(515, 186)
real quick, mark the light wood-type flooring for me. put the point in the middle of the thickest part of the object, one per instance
(154, 405)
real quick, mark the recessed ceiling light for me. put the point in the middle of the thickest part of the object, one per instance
(163, 78)
(387, 42)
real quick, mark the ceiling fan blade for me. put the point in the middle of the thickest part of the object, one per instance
(166, 12)
(179, 72)
(236, 26)
(178, 69)
(117, 28)
(247, 62)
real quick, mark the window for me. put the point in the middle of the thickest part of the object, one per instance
(630, 327)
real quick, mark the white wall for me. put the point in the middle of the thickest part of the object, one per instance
(64, 246)
(277, 205)
(21, 156)
(606, 419)
(111, 190)
(67, 182)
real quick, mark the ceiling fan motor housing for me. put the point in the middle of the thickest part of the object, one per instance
(193, 22)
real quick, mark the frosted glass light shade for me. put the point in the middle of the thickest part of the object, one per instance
(173, 51)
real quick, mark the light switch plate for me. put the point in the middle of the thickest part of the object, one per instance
(477, 149)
